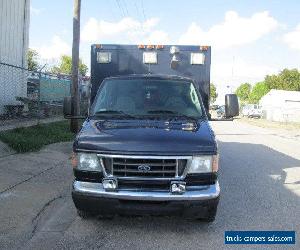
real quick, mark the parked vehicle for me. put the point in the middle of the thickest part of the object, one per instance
(252, 111)
(146, 146)
(214, 107)
(221, 112)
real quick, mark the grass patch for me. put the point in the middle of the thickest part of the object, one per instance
(34, 138)
(270, 124)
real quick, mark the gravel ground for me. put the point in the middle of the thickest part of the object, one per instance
(260, 183)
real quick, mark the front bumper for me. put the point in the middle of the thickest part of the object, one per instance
(207, 192)
(196, 201)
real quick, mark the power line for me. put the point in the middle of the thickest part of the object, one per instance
(120, 8)
(137, 9)
(139, 13)
(143, 10)
(113, 10)
(125, 7)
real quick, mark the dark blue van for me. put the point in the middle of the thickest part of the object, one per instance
(146, 146)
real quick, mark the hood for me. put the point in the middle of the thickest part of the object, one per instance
(146, 137)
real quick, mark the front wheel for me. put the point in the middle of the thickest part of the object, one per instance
(84, 214)
(211, 214)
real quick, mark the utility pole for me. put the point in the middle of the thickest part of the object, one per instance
(74, 126)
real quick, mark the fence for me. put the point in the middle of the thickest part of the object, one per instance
(12, 83)
(28, 94)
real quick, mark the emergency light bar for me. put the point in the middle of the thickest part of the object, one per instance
(141, 46)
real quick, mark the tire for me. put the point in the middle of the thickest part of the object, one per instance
(84, 214)
(105, 216)
(209, 219)
(102, 216)
(211, 215)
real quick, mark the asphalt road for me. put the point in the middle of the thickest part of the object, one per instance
(259, 177)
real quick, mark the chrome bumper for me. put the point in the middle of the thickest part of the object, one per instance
(96, 190)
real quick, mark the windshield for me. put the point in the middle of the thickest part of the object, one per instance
(140, 97)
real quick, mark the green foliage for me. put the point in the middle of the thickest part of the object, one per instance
(258, 91)
(243, 92)
(35, 137)
(213, 93)
(65, 66)
(285, 80)
(32, 59)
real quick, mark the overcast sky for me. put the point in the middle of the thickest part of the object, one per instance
(249, 38)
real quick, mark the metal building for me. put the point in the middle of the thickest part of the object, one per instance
(281, 105)
(14, 34)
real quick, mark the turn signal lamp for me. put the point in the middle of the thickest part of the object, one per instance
(74, 161)
(215, 163)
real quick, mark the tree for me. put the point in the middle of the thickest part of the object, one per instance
(65, 66)
(258, 91)
(286, 80)
(32, 59)
(243, 92)
(213, 93)
(290, 79)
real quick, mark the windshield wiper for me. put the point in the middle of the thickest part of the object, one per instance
(173, 113)
(113, 112)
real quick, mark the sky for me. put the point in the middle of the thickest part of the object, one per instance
(250, 39)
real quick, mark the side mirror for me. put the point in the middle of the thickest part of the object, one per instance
(231, 105)
(209, 116)
(67, 106)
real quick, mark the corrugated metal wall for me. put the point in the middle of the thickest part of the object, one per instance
(281, 105)
(14, 36)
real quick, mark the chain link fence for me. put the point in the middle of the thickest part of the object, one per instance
(33, 95)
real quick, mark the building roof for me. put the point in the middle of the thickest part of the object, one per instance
(277, 97)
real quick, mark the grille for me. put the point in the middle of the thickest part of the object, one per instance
(155, 168)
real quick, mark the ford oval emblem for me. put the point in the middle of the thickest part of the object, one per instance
(144, 168)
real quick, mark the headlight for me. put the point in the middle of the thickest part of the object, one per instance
(85, 161)
(203, 164)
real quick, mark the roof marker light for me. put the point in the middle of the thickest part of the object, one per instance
(204, 48)
(150, 46)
